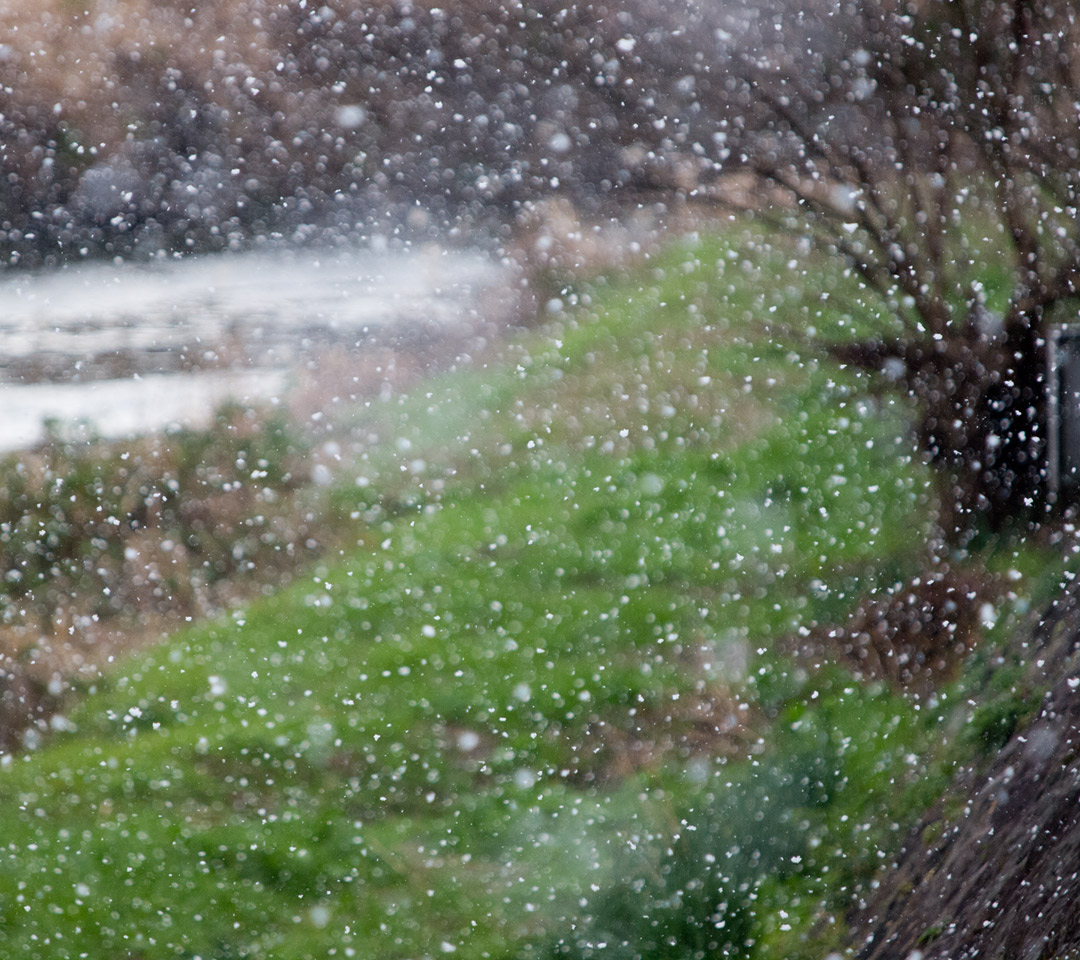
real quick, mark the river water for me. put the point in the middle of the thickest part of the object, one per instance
(124, 348)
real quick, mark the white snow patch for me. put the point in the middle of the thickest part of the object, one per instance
(651, 484)
(468, 741)
(349, 116)
(560, 143)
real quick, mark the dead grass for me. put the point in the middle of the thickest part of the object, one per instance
(914, 637)
(709, 727)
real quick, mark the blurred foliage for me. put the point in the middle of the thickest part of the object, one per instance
(162, 127)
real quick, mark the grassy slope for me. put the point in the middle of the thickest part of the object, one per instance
(538, 701)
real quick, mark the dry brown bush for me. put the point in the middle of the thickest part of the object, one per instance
(169, 125)
(914, 637)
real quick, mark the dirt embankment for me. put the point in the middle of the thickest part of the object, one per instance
(994, 869)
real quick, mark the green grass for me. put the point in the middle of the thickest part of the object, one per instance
(539, 707)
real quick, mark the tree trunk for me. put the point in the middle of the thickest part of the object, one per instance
(1010, 482)
(982, 420)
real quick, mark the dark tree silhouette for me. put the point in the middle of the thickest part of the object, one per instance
(935, 146)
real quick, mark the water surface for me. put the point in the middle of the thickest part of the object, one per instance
(129, 347)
